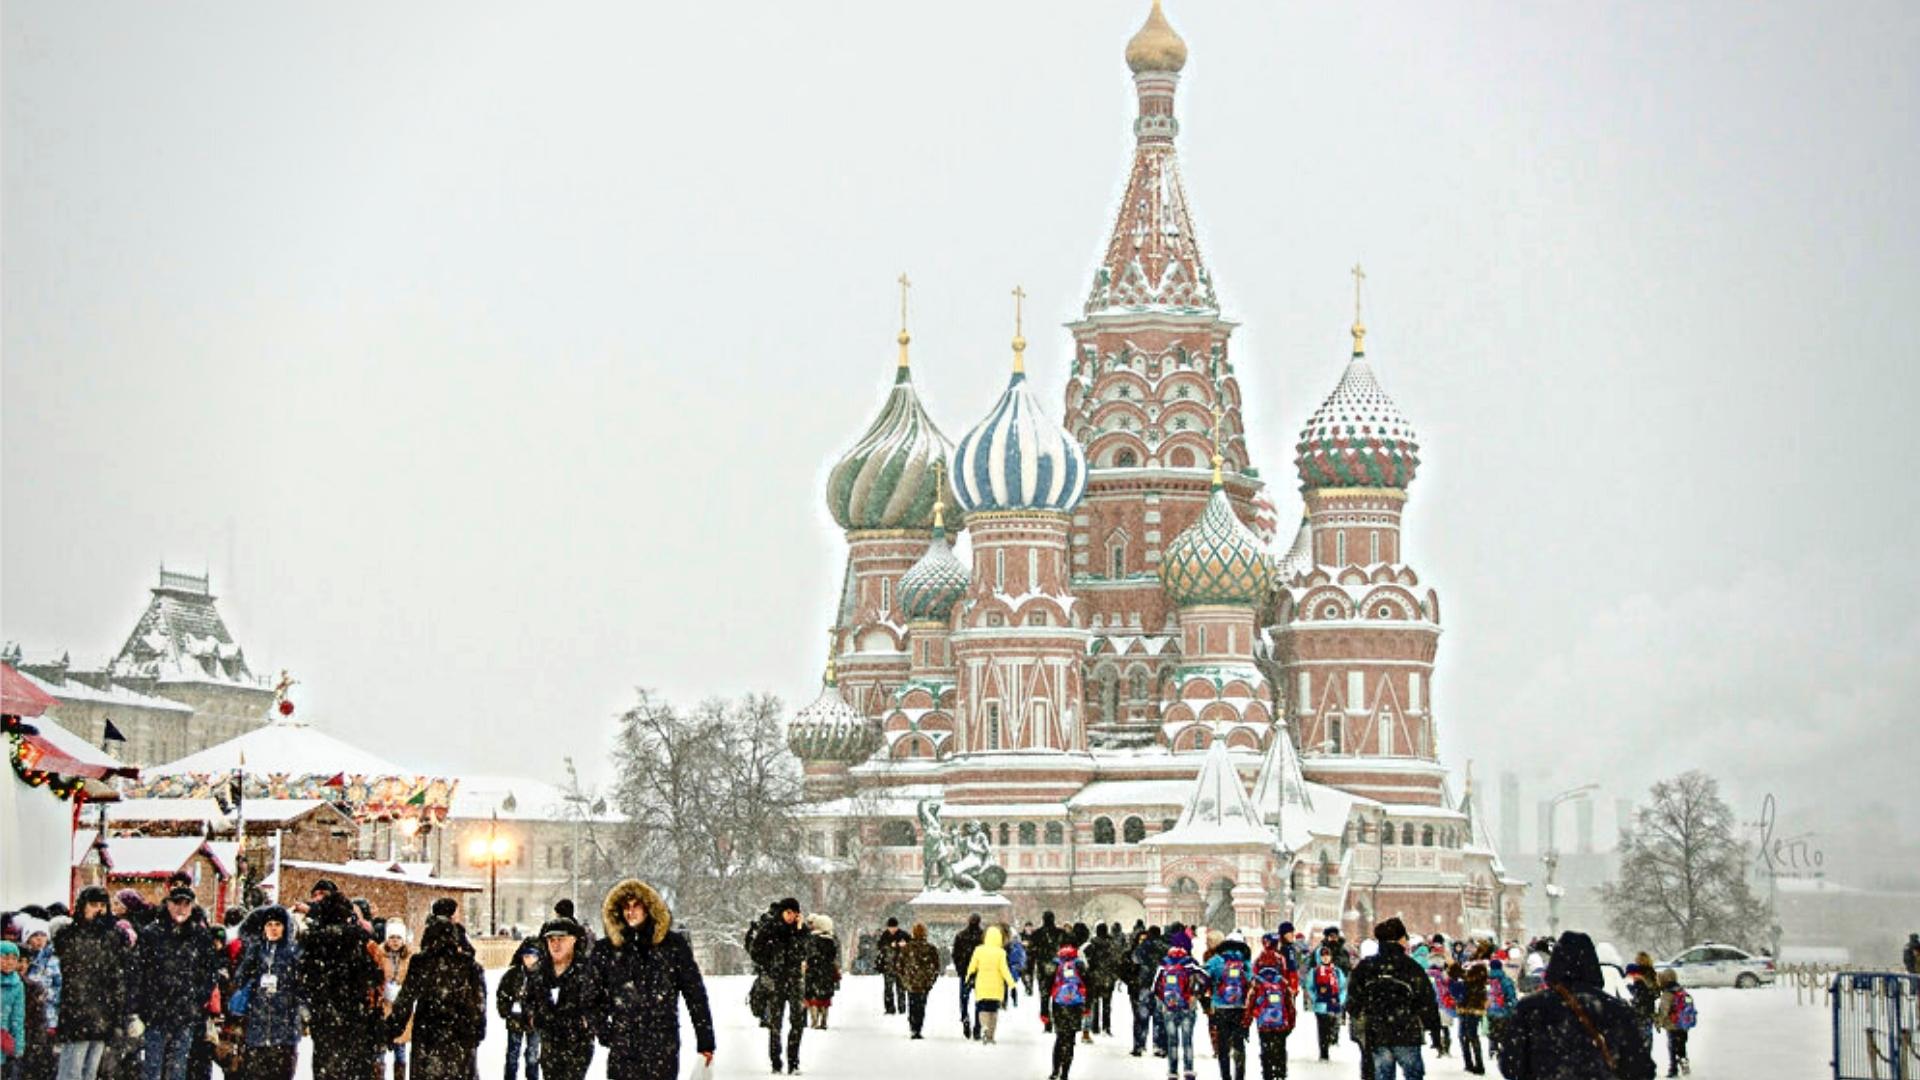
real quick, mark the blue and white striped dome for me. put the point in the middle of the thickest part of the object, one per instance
(1018, 459)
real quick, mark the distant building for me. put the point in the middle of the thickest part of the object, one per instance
(1543, 834)
(180, 684)
(1583, 826)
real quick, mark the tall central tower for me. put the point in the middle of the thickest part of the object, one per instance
(1150, 369)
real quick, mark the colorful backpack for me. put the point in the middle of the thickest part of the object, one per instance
(1326, 984)
(1232, 991)
(1684, 1014)
(1496, 992)
(1275, 1006)
(1174, 996)
(1069, 988)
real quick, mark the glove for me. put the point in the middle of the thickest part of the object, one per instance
(135, 1028)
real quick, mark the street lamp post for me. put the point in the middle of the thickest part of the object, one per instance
(492, 851)
(1550, 858)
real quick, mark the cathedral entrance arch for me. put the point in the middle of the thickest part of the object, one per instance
(1112, 907)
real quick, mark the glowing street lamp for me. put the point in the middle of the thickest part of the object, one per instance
(491, 850)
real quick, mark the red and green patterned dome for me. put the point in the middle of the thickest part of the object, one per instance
(1358, 437)
(1216, 560)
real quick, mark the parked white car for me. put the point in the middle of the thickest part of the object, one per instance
(1720, 965)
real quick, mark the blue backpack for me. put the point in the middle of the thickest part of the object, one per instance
(1068, 985)
(1276, 1008)
(1684, 1014)
(1232, 990)
(1173, 990)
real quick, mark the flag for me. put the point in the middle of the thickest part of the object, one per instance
(418, 798)
(113, 734)
(338, 779)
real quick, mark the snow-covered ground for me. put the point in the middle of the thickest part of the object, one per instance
(1743, 1035)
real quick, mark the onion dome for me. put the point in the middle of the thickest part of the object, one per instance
(1358, 437)
(832, 730)
(1156, 47)
(1017, 458)
(887, 480)
(929, 589)
(1217, 559)
(1299, 557)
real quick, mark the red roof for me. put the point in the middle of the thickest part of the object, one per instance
(18, 695)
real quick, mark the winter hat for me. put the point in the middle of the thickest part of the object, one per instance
(323, 885)
(1068, 952)
(130, 900)
(92, 894)
(821, 924)
(396, 928)
(1391, 930)
(57, 924)
(564, 909)
(29, 926)
(1177, 953)
(1270, 940)
(445, 907)
(1237, 936)
(8, 948)
(891, 923)
(1635, 969)
(1495, 965)
(180, 894)
(562, 927)
(1286, 928)
(1670, 979)
(788, 904)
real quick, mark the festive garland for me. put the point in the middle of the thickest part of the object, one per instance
(63, 787)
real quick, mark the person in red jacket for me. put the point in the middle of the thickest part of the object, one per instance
(1270, 1011)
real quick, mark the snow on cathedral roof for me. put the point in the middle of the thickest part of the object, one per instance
(1218, 810)
(1358, 437)
(1280, 792)
(182, 638)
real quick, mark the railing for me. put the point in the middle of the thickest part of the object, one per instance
(1873, 1026)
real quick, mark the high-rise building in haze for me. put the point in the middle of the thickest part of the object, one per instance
(1583, 815)
(1543, 835)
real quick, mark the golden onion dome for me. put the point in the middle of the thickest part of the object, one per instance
(1156, 47)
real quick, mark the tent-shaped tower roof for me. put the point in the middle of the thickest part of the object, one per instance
(1218, 811)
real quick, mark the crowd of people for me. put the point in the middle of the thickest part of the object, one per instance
(117, 989)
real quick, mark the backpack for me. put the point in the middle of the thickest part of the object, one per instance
(1326, 984)
(1684, 1014)
(1232, 991)
(1173, 990)
(1276, 1008)
(1068, 987)
(1496, 992)
(1389, 992)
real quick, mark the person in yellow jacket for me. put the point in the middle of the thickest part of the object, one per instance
(990, 975)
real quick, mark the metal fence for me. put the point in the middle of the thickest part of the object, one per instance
(1873, 1026)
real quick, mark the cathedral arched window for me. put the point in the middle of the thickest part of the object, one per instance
(1056, 834)
(1117, 561)
(1133, 830)
(1326, 870)
(1125, 459)
(1406, 835)
(896, 833)
(1426, 836)
(1180, 458)
(1005, 835)
(1029, 834)
(1103, 830)
(1336, 745)
(1340, 548)
(1138, 686)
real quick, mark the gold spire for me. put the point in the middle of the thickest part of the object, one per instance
(1359, 328)
(1155, 47)
(904, 337)
(831, 679)
(1218, 481)
(1019, 341)
(939, 498)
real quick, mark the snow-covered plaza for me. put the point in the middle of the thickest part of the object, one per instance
(1743, 1035)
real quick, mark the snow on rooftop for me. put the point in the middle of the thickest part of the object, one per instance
(73, 746)
(290, 747)
(115, 694)
(150, 856)
(533, 800)
(1125, 793)
(405, 873)
(1218, 809)
(130, 811)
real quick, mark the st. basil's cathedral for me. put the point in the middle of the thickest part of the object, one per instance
(1154, 711)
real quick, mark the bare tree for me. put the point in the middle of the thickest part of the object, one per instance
(709, 796)
(1683, 872)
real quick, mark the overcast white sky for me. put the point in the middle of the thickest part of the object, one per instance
(492, 355)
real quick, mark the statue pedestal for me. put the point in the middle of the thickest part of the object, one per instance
(946, 911)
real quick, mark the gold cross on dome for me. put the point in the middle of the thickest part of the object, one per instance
(904, 286)
(1019, 296)
(1359, 278)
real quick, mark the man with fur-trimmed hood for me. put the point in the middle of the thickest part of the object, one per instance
(641, 970)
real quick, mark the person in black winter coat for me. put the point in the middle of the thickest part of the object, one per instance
(94, 957)
(641, 971)
(174, 968)
(564, 1001)
(445, 998)
(1392, 998)
(342, 982)
(269, 985)
(964, 943)
(1910, 956)
(514, 999)
(1573, 1029)
(886, 956)
(778, 945)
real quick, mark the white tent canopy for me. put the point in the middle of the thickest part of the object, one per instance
(285, 747)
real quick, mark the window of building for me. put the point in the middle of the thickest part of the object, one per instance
(1200, 639)
(1386, 734)
(1029, 834)
(1326, 870)
(1117, 561)
(841, 845)
(1413, 691)
(1125, 460)
(1000, 570)
(1006, 832)
(886, 594)
(1110, 697)
(1334, 735)
(1038, 726)
(1033, 569)
(1306, 690)
(1426, 836)
(1103, 830)
(896, 833)
(1373, 546)
(1056, 834)
(816, 844)
(1133, 830)
(1406, 835)
(1036, 618)
(993, 725)
(1340, 548)
(1139, 686)
(995, 618)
